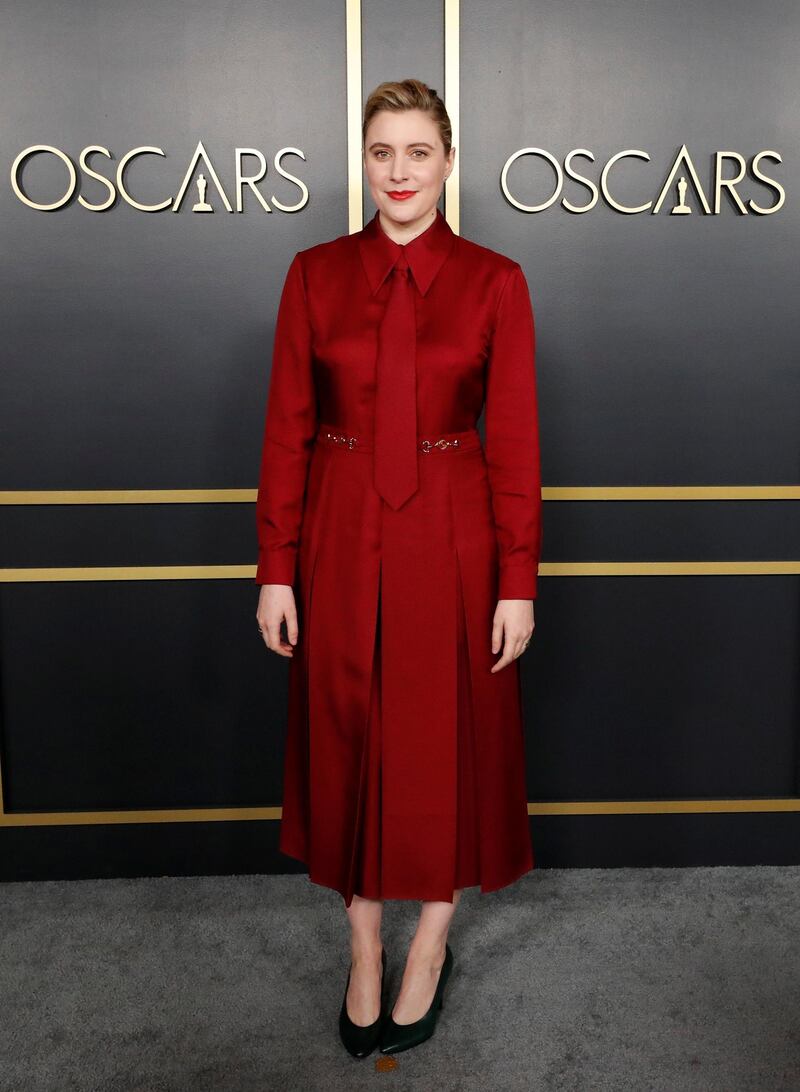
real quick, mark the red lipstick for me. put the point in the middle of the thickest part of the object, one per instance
(401, 195)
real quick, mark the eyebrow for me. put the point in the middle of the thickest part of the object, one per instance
(416, 144)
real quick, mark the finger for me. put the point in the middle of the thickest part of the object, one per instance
(284, 647)
(497, 635)
(291, 625)
(514, 647)
(507, 656)
(274, 640)
(504, 661)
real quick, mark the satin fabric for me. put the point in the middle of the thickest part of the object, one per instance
(404, 771)
(395, 431)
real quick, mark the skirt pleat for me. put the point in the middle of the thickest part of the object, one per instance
(368, 854)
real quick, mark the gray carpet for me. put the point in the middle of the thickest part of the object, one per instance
(584, 980)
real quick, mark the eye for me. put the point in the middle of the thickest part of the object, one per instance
(421, 151)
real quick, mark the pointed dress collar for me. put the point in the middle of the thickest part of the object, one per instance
(425, 254)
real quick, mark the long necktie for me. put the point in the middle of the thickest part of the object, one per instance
(395, 441)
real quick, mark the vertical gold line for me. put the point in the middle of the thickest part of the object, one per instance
(452, 63)
(355, 187)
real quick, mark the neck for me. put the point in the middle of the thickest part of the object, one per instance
(404, 233)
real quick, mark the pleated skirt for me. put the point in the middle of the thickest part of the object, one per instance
(368, 847)
(405, 767)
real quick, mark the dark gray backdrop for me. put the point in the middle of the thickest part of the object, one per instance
(136, 355)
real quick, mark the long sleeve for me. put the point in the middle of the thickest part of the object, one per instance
(291, 423)
(512, 441)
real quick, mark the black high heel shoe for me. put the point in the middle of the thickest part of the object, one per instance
(360, 1040)
(396, 1037)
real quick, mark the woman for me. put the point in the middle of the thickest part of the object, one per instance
(414, 555)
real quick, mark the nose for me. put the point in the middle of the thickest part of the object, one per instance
(399, 170)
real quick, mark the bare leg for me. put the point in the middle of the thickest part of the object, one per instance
(425, 958)
(364, 994)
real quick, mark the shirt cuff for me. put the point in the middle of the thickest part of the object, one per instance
(276, 567)
(517, 583)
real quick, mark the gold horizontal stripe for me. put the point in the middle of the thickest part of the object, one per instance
(546, 568)
(670, 492)
(664, 807)
(670, 568)
(127, 496)
(225, 815)
(145, 815)
(130, 572)
(549, 493)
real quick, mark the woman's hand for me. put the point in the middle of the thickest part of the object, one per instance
(512, 630)
(276, 603)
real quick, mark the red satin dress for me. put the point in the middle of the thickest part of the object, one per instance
(404, 773)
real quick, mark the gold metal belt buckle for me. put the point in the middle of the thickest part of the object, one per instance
(338, 438)
(341, 439)
(428, 445)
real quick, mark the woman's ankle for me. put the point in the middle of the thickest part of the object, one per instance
(428, 950)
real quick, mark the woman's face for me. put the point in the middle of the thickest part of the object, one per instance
(404, 154)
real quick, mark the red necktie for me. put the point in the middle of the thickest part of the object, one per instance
(395, 441)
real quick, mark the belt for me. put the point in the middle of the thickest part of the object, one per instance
(466, 440)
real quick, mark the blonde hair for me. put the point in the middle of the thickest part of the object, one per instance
(409, 94)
